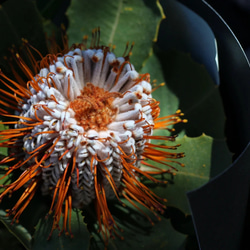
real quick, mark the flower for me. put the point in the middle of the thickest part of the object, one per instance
(81, 129)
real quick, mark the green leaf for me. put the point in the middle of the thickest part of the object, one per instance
(79, 241)
(137, 231)
(201, 158)
(190, 88)
(19, 232)
(169, 102)
(120, 21)
(3, 151)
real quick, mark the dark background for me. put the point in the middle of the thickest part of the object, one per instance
(236, 14)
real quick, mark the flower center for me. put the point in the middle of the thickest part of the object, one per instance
(93, 108)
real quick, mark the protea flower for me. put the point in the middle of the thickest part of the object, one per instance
(80, 131)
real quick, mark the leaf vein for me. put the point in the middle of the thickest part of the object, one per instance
(116, 22)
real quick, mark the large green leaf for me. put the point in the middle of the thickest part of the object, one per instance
(204, 157)
(140, 234)
(120, 21)
(233, 68)
(190, 88)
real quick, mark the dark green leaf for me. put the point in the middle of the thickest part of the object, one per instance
(222, 205)
(20, 233)
(51, 8)
(190, 88)
(234, 76)
(199, 161)
(186, 31)
(175, 231)
(81, 239)
(138, 233)
(20, 19)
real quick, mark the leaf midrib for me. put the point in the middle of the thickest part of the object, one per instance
(115, 23)
(192, 175)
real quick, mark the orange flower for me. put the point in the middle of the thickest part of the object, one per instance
(80, 130)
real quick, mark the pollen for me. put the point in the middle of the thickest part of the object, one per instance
(93, 108)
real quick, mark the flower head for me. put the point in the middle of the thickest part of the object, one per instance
(80, 131)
